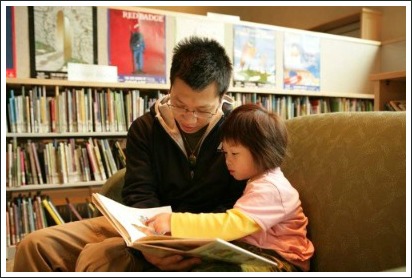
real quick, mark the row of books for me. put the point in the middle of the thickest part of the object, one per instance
(94, 110)
(25, 214)
(74, 110)
(396, 105)
(64, 161)
(294, 106)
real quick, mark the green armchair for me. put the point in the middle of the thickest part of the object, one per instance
(350, 171)
(112, 188)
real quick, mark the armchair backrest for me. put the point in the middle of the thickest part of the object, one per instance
(350, 171)
(112, 188)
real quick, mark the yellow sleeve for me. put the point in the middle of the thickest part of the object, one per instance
(230, 225)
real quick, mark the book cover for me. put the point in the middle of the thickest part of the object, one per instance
(254, 63)
(137, 46)
(203, 27)
(301, 69)
(61, 35)
(130, 223)
(10, 43)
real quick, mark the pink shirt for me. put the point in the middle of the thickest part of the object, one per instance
(274, 204)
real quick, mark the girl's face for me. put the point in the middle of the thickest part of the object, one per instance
(239, 161)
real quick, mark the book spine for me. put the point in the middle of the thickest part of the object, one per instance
(73, 209)
(51, 212)
(93, 163)
(54, 209)
(13, 239)
(8, 233)
(37, 162)
(43, 219)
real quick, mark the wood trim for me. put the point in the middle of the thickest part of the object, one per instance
(346, 20)
(391, 75)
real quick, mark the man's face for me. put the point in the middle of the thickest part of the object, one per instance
(193, 109)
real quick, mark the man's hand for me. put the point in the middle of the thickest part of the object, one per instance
(172, 263)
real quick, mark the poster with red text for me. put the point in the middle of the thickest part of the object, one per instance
(137, 46)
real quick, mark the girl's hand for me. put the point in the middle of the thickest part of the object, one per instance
(160, 223)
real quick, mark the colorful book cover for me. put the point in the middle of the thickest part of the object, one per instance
(301, 62)
(61, 35)
(10, 43)
(254, 60)
(137, 46)
(187, 26)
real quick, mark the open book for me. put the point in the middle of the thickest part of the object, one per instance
(130, 223)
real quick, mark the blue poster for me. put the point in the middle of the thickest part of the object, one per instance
(254, 52)
(301, 62)
(10, 44)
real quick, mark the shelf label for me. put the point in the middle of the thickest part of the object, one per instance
(87, 72)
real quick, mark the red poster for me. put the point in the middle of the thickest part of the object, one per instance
(137, 46)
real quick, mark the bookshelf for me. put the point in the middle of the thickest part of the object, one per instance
(32, 121)
(53, 128)
(40, 93)
(388, 86)
(53, 111)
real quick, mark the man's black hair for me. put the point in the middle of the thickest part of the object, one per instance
(200, 62)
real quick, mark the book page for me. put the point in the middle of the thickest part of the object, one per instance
(225, 251)
(129, 222)
(124, 218)
(207, 249)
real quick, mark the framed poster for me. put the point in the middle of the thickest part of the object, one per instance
(186, 27)
(254, 51)
(10, 43)
(137, 46)
(301, 57)
(59, 35)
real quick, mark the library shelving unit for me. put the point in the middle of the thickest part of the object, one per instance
(52, 122)
(294, 103)
(388, 86)
(65, 138)
(41, 125)
(26, 125)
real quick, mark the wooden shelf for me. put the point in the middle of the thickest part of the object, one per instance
(67, 83)
(273, 91)
(40, 187)
(66, 134)
(388, 86)
(391, 75)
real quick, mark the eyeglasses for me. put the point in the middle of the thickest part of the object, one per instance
(196, 114)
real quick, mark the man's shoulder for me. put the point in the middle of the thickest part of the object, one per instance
(144, 121)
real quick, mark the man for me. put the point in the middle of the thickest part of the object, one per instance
(138, 46)
(172, 159)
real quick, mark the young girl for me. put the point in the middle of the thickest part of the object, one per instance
(268, 218)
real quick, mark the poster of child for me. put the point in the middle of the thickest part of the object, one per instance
(301, 62)
(254, 56)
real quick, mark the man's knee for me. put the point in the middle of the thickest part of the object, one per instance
(32, 241)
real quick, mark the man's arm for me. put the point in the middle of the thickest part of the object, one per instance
(172, 263)
(140, 187)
